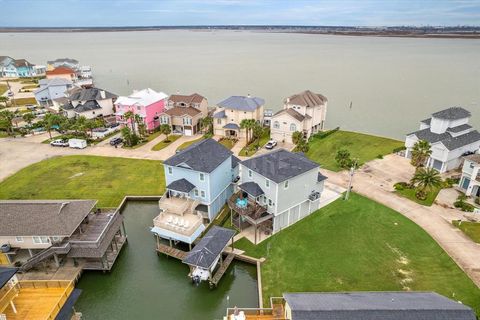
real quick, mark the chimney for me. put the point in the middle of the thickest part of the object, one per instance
(102, 94)
(248, 95)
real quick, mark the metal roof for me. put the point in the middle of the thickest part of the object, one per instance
(232, 126)
(219, 115)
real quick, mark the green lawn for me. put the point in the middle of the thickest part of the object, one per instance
(227, 143)
(362, 146)
(23, 101)
(188, 143)
(162, 144)
(410, 194)
(3, 88)
(471, 229)
(150, 137)
(251, 149)
(86, 177)
(358, 245)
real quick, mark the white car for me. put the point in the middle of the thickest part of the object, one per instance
(271, 144)
(59, 143)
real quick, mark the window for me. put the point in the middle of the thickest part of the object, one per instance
(170, 170)
(164, 120)
(276, 125)
(40, 240)
(202, 177)
(19, 239)
(202, 194)
(293, 127)
(270, 202)
(138, 108)
(286, 184)
(55, 239)
(219, 121)
(187, 120)
(267, 183)
(249, 173)
(195, 192)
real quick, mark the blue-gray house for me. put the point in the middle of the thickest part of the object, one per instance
(51, 89)
(199, 182)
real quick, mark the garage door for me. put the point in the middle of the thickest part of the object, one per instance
(188, 132)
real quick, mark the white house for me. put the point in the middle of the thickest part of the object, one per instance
(90, 103)
(305, 112)
(275, 190)
(470, 180)
(51, 89)
(450, 137)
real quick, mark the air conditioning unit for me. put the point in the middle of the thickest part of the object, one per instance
(315, 195)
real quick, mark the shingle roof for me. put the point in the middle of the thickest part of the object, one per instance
(87, 106)
(453, 113)
(23, 63)
(252, 188)
(242, 103)
(427, 121)
(450, 142)
(460, 128)
(6, 274)
(220, 114)
(293, 113)
(62, 60)
(54, 82)
(203, 156)
(182, 185)
(473, 157)
(426, 134)
(307, 98)
(235, 161)
(60, 70)
(280, 165)
(232, 126)
(42, 217)
(91, 94)
(209, 247)
(182, 111)
(187, 99)
(376, 306)
(321, 177)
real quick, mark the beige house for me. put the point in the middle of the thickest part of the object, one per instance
(305, 112)
(183, 113)
(89, 102)
(230, 113)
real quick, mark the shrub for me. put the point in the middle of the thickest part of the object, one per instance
(380, 156)
(477, 200)
(399, 149)
(401, 186)
(324, 134)
(421, 195)
(208, 135)
(464, 206)
(450, 182)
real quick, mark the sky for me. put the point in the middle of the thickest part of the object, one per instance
(105, 13)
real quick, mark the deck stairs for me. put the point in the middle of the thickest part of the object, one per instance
(60, 248)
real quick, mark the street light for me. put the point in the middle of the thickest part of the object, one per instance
(351, 173)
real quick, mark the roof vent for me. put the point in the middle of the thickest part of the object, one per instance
(64, 204)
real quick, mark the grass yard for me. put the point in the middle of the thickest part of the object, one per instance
(3, 88)
(358, 245)
(251, 149)
(150, 137)
(188, 144)
(23, 101)
(227, 143)
(162, 144)
(471, 229)
(362, 146)
(86, 177)
(410, 194)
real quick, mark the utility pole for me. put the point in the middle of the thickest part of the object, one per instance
(352, 172)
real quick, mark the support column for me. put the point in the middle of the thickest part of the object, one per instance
(255, 233)
(13, 306)
(124, 231)
(30, 252)
(55, 257)
(190, 246)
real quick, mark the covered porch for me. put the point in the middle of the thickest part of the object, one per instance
(232, 130)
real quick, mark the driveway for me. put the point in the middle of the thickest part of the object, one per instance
(375, 180)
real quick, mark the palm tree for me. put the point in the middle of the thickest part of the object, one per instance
(343, 158)
(129, 116)
(28, 118)
(81, 124)
(247, 124)
(425, 180)
(6, 118)
(138, 121)
(297, 137)
(420, 153)
(49, 121)
(206, 124)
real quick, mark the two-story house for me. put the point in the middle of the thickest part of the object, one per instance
(90, 103)
(199, 182)
(51, 89)
(305, 112)
(184, 112)
(450, 137)
(62, 72)
(275, 190)
(63, 62)
(60, 229)
(470, 180)
(7, 67)
(147, 103)
(230, 113)
(24, 68)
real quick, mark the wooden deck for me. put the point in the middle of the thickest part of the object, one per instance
(39, 300)
(223, 268)
(171, 252)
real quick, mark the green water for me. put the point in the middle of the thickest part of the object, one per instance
(143, 285)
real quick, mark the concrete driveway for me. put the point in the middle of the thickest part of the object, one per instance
(375, 180)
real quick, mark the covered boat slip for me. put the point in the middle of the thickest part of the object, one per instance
(208, 254)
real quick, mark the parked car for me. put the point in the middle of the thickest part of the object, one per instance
(271, 144)
(59, 143)
(77, 143)
(116, 141)
(10, 94)
(31, 106)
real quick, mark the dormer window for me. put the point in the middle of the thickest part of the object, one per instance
(249, 173)
(202, 176)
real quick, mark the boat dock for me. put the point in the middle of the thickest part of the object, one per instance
(223, 268)
(171, 251)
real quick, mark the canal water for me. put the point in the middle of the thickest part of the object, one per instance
(143, 285)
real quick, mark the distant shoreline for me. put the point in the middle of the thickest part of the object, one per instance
(398, 32)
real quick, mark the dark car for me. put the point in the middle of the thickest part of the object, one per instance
(116, 141)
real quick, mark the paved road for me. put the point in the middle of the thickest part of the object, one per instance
(376, 180)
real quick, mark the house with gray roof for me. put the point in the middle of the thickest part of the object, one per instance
(275, 190)
(400, 305)
(305, 112)
(51, 89)
(39, 230)
(231, 111)
(199, 182)
(470, 179)
(89, 102)
(450, 137)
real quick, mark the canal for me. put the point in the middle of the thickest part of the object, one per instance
(143, 285)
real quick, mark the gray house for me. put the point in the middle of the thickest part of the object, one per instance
(275, 190)
(51, 89)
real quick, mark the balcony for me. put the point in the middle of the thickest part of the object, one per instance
(275, 312)
(246, 207)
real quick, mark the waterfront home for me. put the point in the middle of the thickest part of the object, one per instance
(198, 181)
(230, 113)
(33, 231)
(24, 68)
(275, 190)
(450, 137)
(39, 70)
(90, 103)
(35, 299)
(62, 72)
(208, 254)
(63, 62)
(470, 180)
(10, 67)
(358, 305)
(51, 89)
(304, 112)
(146, 103)
(184, 112)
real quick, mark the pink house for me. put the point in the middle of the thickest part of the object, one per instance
(147, 103)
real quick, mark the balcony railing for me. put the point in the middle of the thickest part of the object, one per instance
(253, 209)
